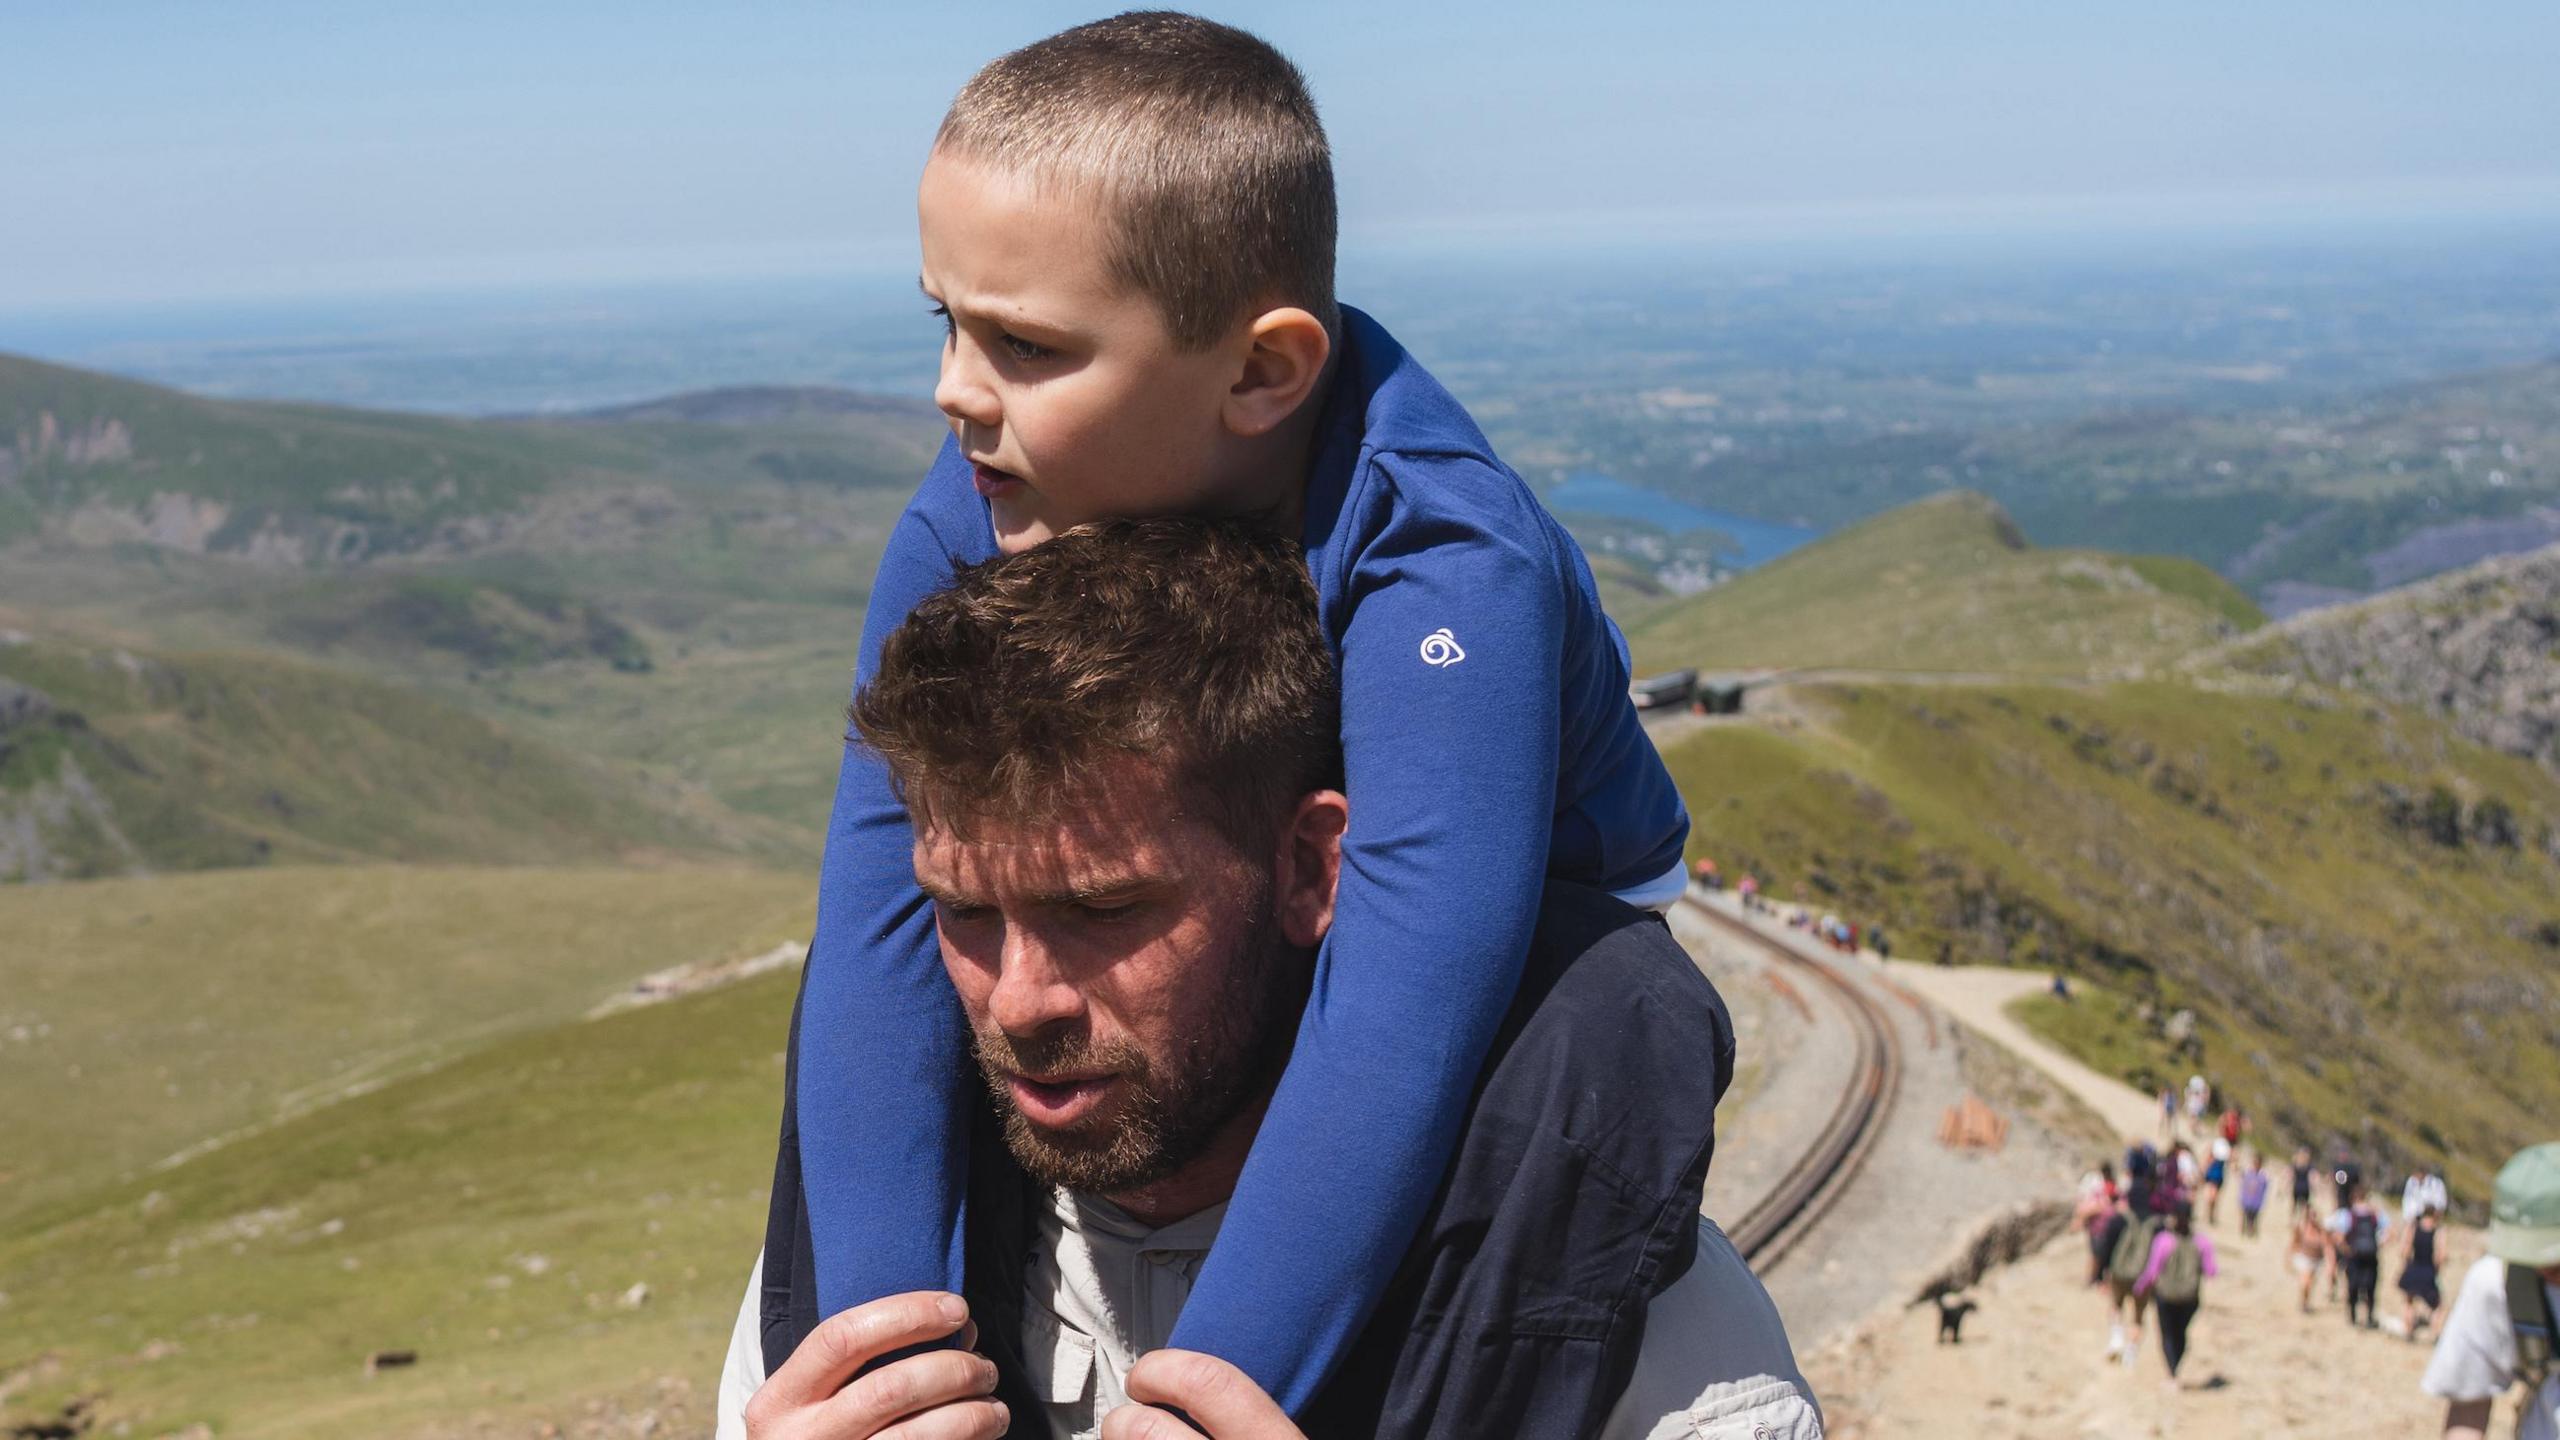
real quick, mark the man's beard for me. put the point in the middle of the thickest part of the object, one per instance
(1164, 1116)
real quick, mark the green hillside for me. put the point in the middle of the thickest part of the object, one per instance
(140, 1017)
(115, 762)
(491, 1215)
(2363, 909)
(1945, 584)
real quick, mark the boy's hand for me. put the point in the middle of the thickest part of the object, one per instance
(1211, 1391)
(937, 1395)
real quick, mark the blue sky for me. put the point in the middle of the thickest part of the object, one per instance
(160, 150)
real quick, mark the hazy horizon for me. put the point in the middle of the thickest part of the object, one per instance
(284, 149)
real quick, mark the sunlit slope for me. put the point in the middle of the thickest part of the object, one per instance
(2363, 908)
(1948, 584)
(489, 1215)
(113, 762)
(141, 1017)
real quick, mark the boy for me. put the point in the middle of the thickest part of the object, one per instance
(1128, 232)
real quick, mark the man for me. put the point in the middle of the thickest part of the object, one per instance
(2499, 1332)
(1119, 748)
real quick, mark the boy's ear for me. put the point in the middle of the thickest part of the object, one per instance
(1285, 351)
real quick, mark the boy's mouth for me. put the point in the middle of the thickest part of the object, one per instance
(992, 481)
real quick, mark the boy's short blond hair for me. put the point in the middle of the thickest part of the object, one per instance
(1199, 142)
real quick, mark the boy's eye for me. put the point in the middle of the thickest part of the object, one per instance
(942, 313)
(1026, 350)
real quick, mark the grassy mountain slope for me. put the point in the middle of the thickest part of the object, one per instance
(118, 762)
(2363, 908)
(1947, 583)
(488, 1215)
(140, 1017)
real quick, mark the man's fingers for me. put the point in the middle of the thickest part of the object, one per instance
(846, 1342)
(968, 1420)
(913, 1387)
(1212, 1392)
(1144, 1422)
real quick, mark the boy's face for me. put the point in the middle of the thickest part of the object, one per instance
(1066, 393)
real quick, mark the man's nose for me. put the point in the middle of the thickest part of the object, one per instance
(1031, 992)
(962, 390)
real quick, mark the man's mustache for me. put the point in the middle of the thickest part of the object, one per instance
(1057, 1051)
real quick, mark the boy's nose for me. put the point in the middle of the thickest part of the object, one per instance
(964, 395)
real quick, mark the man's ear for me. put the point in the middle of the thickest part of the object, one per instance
(1285, 351)
(1309, 865)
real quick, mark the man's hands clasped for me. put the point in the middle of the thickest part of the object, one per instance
(949, 1394)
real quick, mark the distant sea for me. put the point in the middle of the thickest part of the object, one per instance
(1758, 541)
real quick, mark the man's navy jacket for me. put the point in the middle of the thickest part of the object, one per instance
(1572, 1202)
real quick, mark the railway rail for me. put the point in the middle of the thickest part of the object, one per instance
(1808, 1189)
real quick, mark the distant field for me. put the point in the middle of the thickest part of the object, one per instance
(2360, 905)
(490, 1215)
(1946, 584)
(138, 1017)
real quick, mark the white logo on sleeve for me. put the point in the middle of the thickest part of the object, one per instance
(1441, 648)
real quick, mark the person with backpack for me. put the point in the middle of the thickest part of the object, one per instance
(2128, 1255)
(2180, 1262)
(2356, 1230)
(2498, 1335)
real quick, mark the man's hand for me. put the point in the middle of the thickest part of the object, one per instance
(938, 1395)
(1211, 1391)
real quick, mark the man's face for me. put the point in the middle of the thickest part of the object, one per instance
(1129, 990)
(1063, 386)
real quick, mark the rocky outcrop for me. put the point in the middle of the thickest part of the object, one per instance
(2480, 647)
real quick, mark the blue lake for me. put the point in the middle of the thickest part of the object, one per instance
(1760, 541)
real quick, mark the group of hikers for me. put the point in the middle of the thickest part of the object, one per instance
(2151, 1249)
(1845, 936)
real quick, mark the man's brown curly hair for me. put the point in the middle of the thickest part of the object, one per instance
(1191, 644)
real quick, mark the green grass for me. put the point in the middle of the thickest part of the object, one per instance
(486, 1215)
(1946, 584)
(2263, 861)
(213, 760)
(157, 1013)
(2108, 1031)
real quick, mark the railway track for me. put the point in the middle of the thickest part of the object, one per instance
(1808, 1188)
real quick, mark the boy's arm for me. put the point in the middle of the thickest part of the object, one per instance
(882, 1042)
(1449, 726)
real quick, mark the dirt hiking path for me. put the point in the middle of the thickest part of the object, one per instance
(2033, 1360)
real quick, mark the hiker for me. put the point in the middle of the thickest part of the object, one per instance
(2181, 1261)
(2423, 1190)
(2141, 1176)
(2421, 1258)
(2213, 1177)
(2499, 1332)
(2168, 1114)
(2301, 1180)
(1160, 698)
(2091, 1212)
(1881, 944)
(2199, 1097)
(2308, 1252)
(2254, 1183)
(2357, 1230)
(2128, 1255)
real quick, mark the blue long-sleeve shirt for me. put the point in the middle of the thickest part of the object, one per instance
(1488, 743)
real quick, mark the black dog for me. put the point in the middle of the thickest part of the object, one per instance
(1952, 1308)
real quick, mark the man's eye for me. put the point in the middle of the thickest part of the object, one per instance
(1026, 350)
(1118, 910)
(963, 914)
